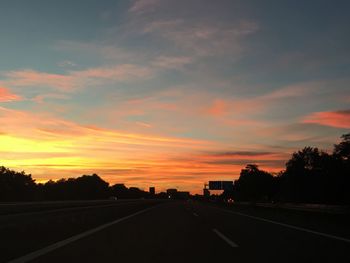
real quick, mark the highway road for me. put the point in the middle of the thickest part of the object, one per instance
(174, 231)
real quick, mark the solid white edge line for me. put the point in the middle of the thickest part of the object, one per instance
(287, 225)
(67, 241)
(226, 239)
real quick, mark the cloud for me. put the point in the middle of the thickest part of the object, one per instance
(144, 124)
(141, 6)
(118, 73)
(273, 164)
(166, 62)
(7, 96)
(241, 153)
(73, 80)
(107, 51)
(47, 127)
(204, 39)
(52, 147)
(32, 78)
(42, 97)
(66, 63)
(337, 119)
(236, 110)
(290, 91)
(242, 156)
(219, 107)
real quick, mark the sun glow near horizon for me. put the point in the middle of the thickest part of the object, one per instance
(168, 93)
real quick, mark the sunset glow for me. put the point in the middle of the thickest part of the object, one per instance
(168, 94)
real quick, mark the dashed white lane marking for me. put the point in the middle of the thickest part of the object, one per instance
(67, 241)
(226, 239)
(288, 226)
(195, 214)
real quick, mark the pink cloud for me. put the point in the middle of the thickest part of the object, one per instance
(76, 79)
(6, 95)
(219, 107)
(338, 119)
(25, 78)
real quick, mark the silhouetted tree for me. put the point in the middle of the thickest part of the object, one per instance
(83, 187)
(122, 192)
(341, 169)
(16, 186)
(342, 150)
(304, 180)
(91, 187)
(253, 184)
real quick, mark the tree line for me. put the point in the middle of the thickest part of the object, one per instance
(311, 176)
(19, 186)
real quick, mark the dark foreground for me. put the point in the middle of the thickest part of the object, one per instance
(169, 231)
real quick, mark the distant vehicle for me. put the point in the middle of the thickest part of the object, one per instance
(113, 198)
(230, 201)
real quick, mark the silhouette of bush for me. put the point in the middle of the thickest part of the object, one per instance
(311, 176)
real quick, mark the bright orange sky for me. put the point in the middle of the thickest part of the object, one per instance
(51, 148)
(169, 93)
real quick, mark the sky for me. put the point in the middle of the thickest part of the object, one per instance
(169, 93)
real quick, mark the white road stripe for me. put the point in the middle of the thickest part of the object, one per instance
(195, 214)
(288, 226)
(67, 241)
(226, 239)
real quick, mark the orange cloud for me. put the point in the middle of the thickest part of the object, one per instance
(51, 148)
(218, 108)
(24, 78)
(338, 119)
(7, 96)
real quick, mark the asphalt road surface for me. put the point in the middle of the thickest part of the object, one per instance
(173, 231)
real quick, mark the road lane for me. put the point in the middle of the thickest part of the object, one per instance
(53, 210)
(187, 231)
(347, 240)
(43, 251)
(32, 207)
(263, 241)
(22, 234)
(168, 233)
